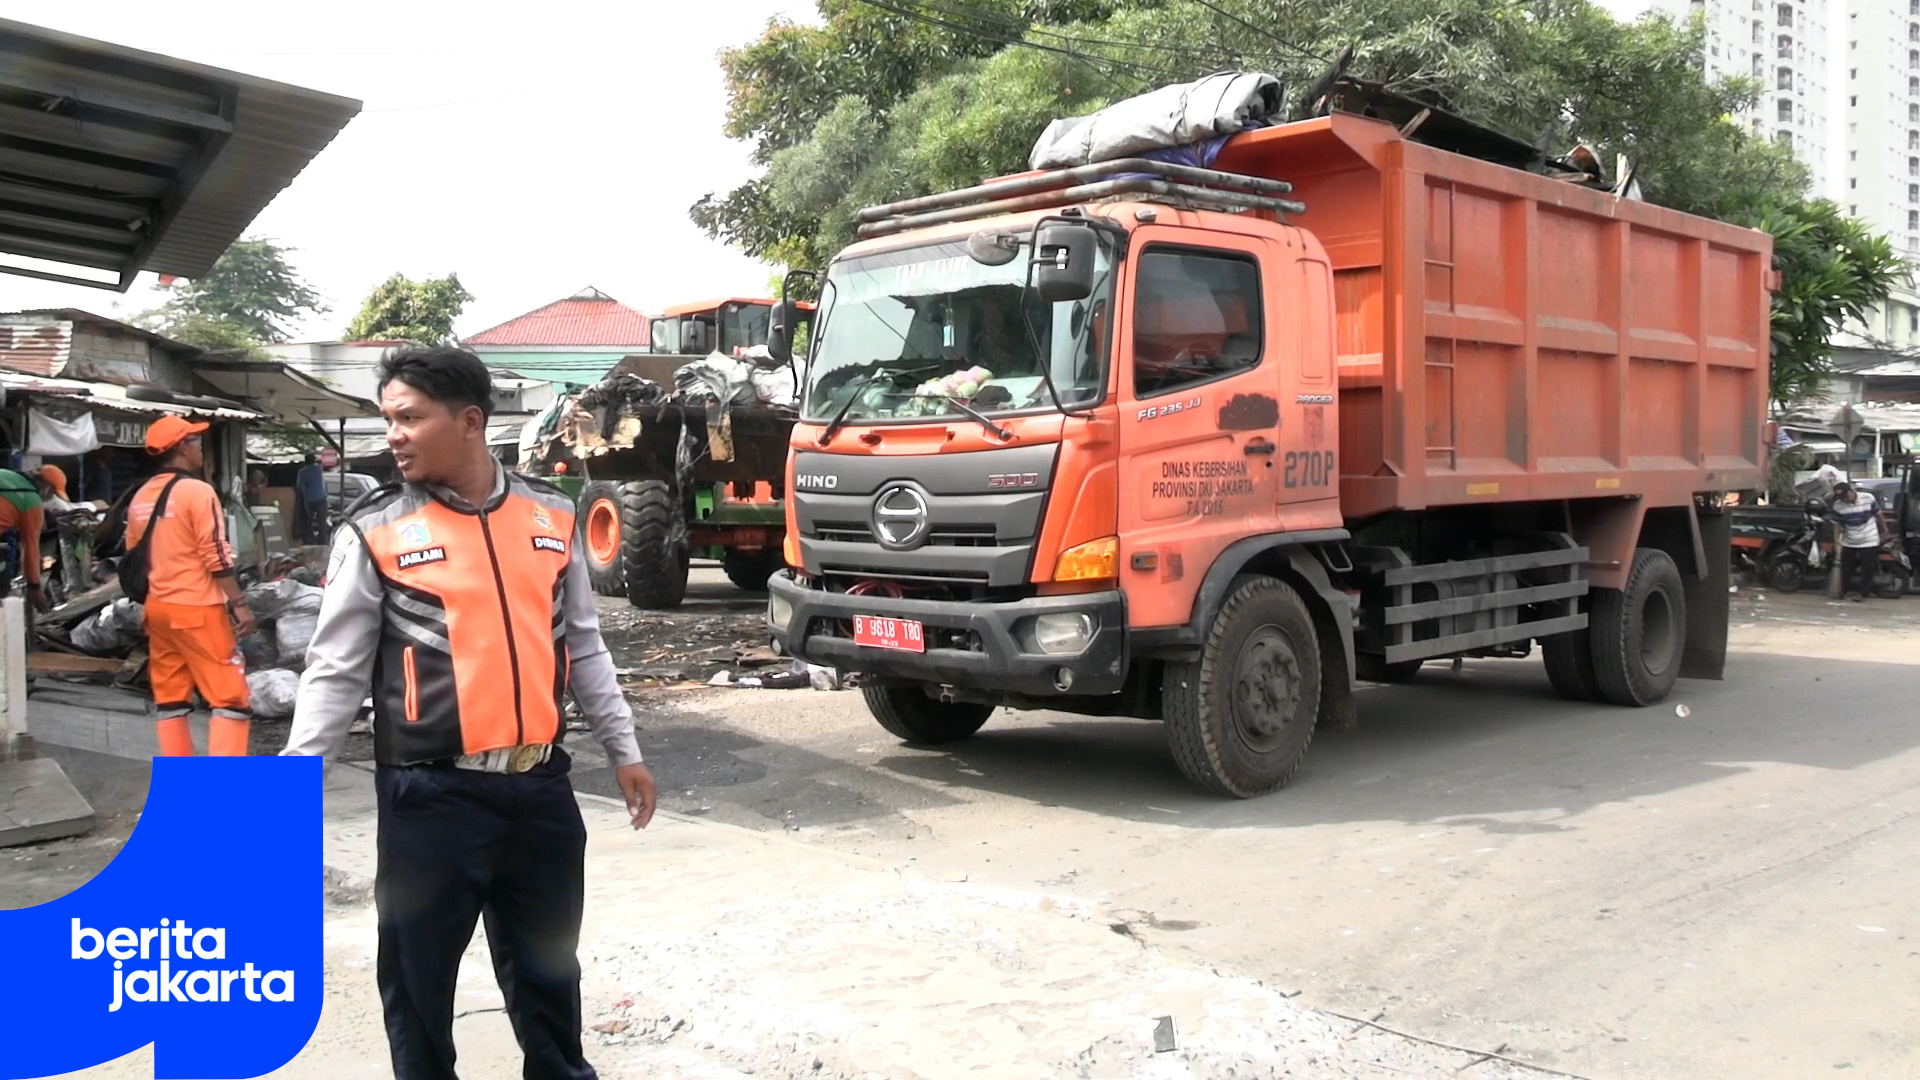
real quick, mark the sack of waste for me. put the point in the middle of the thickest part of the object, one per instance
(273, 691)
(269, 598)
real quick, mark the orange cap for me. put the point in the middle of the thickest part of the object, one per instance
(56, 478)
(169, 431)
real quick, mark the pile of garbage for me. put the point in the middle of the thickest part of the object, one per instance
(104, 623)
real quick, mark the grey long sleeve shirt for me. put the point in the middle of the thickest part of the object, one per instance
(340, 659)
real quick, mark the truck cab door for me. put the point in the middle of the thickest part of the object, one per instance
(1200, 385)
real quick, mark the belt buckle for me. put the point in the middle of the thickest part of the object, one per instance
(523, 758)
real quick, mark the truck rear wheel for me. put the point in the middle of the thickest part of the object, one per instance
(1240, 717)
(653, 545)
(1569, 659)
(600, 529)
(1640, 632)
(911, 716)
(750, 569)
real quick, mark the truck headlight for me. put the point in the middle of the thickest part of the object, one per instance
(779, 612)
(1063, 634)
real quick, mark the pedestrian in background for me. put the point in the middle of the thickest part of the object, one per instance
(1859, 533)
(460, 601)
(310, 490)
(194, 606)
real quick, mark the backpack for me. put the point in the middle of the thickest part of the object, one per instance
(135, 565)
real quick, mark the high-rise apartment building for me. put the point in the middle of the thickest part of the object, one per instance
(1840, 85)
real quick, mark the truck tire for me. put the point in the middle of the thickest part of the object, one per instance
(1239, 718)
(1374, 669)
(653, 545)
(750, 570)
(1569, 658)
(911, 716)
(600, 531)
(1640, 632)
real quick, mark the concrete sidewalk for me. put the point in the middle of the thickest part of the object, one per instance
(713, 953)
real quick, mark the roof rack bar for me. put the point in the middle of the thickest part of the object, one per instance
(1141, 185)
(1081, 174)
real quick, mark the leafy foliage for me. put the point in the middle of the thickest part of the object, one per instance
(401, 309)
(1833, 270)
(891, 99)
(249, 298)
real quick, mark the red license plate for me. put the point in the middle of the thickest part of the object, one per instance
(884, 633)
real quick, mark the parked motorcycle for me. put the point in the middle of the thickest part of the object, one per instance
(1804, 559)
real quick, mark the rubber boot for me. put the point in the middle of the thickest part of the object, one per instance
(227, 737)
(176, 738)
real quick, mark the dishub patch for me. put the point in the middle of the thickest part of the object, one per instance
(172, 942)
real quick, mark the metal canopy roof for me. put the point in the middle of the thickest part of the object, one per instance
(122, 160)
(289, 393)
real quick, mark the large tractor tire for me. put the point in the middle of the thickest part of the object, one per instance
(599, 510)
(1640, 632)
(653, 544)
(750, 569)
(1239, 718)
(911, 716)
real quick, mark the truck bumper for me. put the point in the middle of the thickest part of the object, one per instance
(982, 647)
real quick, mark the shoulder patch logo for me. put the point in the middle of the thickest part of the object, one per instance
(541, 518)
(549, 543)
(415, 534)
(411, 559)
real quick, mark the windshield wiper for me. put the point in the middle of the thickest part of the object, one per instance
(1003, 434)
(840, 417)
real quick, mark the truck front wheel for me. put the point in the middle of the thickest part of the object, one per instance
(911, 716)
(600, 528)
(653, 545)
(1240, 717)
(1640, 632)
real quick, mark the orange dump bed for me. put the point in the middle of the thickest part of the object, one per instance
(1503, 336)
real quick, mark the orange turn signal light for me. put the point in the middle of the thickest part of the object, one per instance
(1090, 561)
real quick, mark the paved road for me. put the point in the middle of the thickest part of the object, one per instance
(1621, 893)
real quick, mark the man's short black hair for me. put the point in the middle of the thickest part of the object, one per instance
(447, 374)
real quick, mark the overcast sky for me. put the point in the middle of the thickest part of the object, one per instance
(534, 148)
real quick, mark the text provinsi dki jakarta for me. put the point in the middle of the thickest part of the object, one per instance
(168, 942)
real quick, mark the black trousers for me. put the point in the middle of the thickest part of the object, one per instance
(1857, 569)
(456, 845)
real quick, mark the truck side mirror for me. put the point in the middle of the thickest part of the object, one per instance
(693, 337)
(1063, 261)
(780, 332)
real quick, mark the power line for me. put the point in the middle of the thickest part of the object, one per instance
(1262, 31)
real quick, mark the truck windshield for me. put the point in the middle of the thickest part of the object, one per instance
(908, 333)
(743, 326)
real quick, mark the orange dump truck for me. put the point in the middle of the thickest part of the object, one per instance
(1208, 445)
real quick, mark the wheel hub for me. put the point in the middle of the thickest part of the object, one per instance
(603, 532)
(1266, 689)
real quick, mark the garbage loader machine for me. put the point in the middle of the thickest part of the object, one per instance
(1208, 445)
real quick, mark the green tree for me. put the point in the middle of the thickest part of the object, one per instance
(1833, 270)
(401, 309)
(251, 287)
(895, 98)
(249, 298)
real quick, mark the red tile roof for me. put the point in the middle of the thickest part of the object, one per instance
(589, 317)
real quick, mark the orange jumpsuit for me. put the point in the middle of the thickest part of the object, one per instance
(190, 641)
(30, 523)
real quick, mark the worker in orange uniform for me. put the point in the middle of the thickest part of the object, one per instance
(22, 511)
(194, 604)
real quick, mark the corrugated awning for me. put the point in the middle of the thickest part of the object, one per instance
(288, 393)
(109, 396)
(120, 160)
